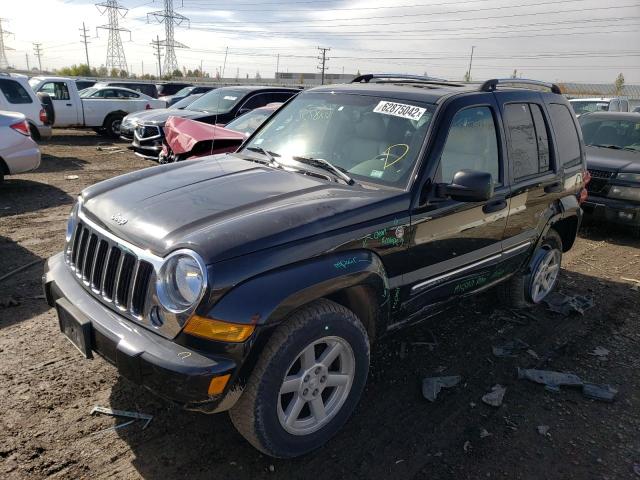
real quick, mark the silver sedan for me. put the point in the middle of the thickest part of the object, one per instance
(18, 152)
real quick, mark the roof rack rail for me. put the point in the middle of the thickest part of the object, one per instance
(403, 78)
(491, 85)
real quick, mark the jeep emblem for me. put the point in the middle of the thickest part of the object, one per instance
(119, 219)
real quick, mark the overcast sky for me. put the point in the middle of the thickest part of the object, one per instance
(555, 40)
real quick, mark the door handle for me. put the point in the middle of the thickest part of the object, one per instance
(555, 187)
(494, 206)
(69, 105)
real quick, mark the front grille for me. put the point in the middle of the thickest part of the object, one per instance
(144, 131)
(599, 180)
(109, 270)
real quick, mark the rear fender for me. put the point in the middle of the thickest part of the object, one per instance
(269, 298)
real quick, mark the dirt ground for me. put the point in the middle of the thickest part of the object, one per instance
(47, 390)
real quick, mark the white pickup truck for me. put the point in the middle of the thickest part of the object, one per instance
(103, 111)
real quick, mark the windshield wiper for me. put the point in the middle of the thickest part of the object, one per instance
(613, 147)
(323, 164)
(271, 156)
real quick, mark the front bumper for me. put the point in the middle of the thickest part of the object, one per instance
(170, 370)
(612, 210)
(147, 141)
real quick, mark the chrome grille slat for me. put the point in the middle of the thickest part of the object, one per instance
(107, 258)
(132, 286)
(98, 265)
(116, 283)
(89, 258)
(82, 252)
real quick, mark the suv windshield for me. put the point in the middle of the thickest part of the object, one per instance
(218, 101)
(250, 121)
(623, 134)
(183, 92)
(581, 107)
(372, 138)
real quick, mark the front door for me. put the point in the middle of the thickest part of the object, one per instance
(455, 246)
(65, 109)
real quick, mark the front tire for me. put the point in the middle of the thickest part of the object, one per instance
(112, 125)
(532, 285)
(306, 383)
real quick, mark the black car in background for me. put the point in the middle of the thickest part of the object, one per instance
(218, 106)
(165, 89)
(613, 157)
(185, 92)
(82, 83)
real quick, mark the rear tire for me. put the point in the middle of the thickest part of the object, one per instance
(531, 285)
(112, 124)
(35, 133)
(293, 403)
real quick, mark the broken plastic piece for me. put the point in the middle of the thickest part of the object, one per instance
(564, 304)
(495, 396)
(543, 429)
(547, 377)
(431, 386)
(510, 348)
(605, 393)
(600, 352)
(123, 413)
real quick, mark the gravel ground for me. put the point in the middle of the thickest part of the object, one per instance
(47, 390)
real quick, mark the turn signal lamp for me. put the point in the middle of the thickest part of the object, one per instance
(218, 383)
(218, 330)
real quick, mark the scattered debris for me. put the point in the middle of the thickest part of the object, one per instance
(123, 413)
(19, 269)
(484, 433)
(8, 302)
(553, 380)
(635, 281)
(566, 305)
(510, 349)
(467, 446)
(543, 429)
(495, 396)
(533, 354)
(431, 386)
(272, 468)
(605, 393)
(600, 352)
(115, 427)
(71, 177)
(399, 461)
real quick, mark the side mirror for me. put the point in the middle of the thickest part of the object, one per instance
(469, 186)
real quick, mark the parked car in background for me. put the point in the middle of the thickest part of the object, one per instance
(170, 88)
(588, 105)
(17, 96)
(100, 107)
(218, 106)
(130, 122)
(613, 157)
(257, 281)
(142, 87)
(18, 152)
(185, 92)
(636, 110)
(83, 83)
(185, 138)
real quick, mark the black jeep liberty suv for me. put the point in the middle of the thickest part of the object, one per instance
(255, 282)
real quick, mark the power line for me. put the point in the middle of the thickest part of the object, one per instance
(170, 18)
(156, 45)
(84, 37)
(116, 58)
(323, 63)
(4, 63)
(37, 51)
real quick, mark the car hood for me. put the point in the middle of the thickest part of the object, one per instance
(182, 134)
(160, 116)
(223, 206)
(600, 158)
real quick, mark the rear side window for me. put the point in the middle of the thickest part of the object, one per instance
(259, 100)
(566, 135)
(14, 92)
(56, 90)
(528, 140)
(471, 144)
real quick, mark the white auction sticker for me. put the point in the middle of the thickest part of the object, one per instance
(230, 98)
(400, 110)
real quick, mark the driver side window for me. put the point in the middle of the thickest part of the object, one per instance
(472, 144)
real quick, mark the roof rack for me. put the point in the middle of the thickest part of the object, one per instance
(491, 85)
(391, 77)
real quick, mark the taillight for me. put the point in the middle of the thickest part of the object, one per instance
(148, 107)
(22, 127)
(43, 116)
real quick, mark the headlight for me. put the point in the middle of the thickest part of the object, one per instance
(625, 193)
(73, 220)
(181, 281)
(629, 177)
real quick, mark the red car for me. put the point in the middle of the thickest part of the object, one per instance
(186, 138)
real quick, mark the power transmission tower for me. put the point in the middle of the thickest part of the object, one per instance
(323, 63)
(4, 63)
(37, 51)
(115, 51)
(157, 44)
(170, 18)
(84, 37)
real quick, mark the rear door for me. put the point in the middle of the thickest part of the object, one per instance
(66, 110)
(455, 246)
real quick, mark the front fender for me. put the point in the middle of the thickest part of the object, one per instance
(270, 297)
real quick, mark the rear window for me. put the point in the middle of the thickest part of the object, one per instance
(528, 140)
(14, 92)
(566, 135)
